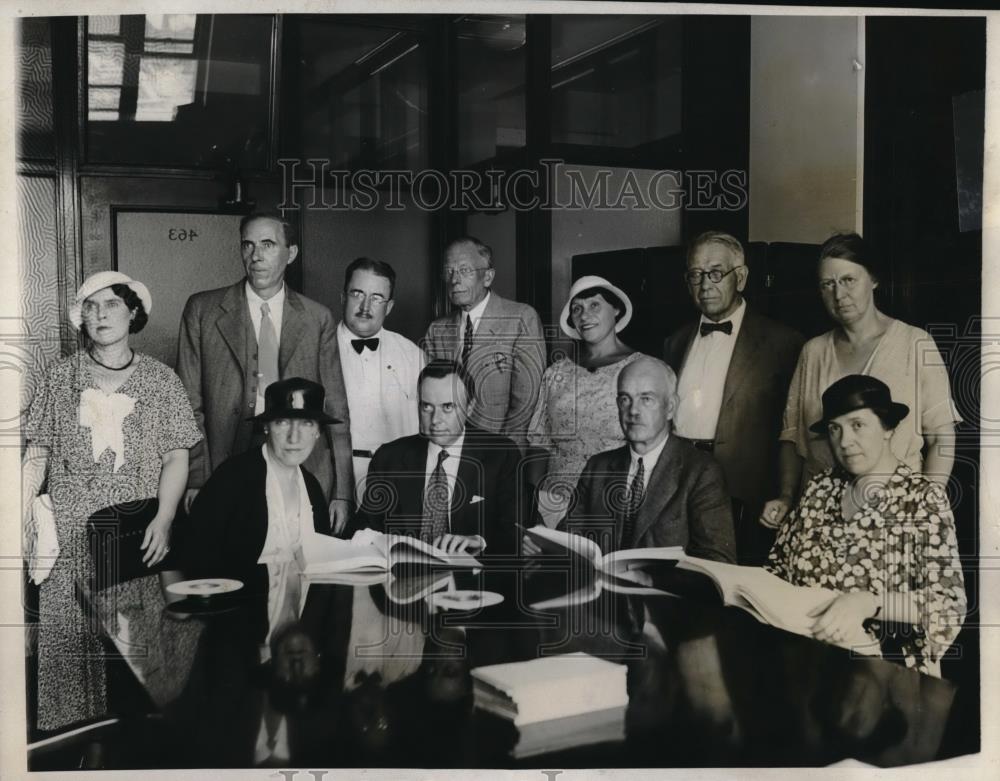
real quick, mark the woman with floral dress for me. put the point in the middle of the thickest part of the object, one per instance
(107, 426)
(576, 415)
(874, 530)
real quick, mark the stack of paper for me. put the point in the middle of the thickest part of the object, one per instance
(556, 702)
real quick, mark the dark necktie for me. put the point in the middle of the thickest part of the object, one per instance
(436, 505)
(360, 344)
(633, 502)
(467, 343)
(726, 327)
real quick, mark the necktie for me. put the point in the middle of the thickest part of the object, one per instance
(633, 501)
(360, 344)
(467, 343)
(267, 351)
(726, 327)
(436, 505)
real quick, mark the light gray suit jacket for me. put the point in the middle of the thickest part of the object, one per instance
(507, 362)
(213, 352)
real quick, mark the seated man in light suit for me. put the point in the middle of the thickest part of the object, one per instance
(658, 490)
(452, 484)
(380, 366)
(498, 342)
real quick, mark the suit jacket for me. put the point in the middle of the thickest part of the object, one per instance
(753, 401)
(229, 519)
(216, 338)
(507, 362)
(484, 500)
(685, 503)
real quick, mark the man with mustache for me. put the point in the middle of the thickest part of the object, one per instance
(380, 366)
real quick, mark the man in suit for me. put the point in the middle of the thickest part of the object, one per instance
(734, 367)
(658, 490)
(499, 342)
(237, 340)
(380, 366)
(452, 484)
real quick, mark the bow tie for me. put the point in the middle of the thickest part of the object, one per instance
(360, 344)
(726, 328)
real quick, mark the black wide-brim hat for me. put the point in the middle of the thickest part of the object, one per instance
(294, 398)
(859, 391)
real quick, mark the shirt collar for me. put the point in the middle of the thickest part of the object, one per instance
(274, 301)
(348, 334)
(736, 318)
(454, 449)
(477, 311)
(649, 459)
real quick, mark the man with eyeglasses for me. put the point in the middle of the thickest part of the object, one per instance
(734, 367)
(237, 340)
(498, 342)
(380, 366)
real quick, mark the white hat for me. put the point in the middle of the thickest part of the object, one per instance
(586, 283)
(99, 281)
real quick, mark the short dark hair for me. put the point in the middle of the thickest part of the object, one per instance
(377, 267)
(439, 369)
(288, 228)
(607, 295)
(483, 250)
(134, 304)
(850, 246)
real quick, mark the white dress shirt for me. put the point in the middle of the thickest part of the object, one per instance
(275, 308)
(381, 389)
(648, 463)
(476, 313)
(703, 379)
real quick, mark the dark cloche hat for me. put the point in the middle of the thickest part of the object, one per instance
(294, 398)
(859, 391)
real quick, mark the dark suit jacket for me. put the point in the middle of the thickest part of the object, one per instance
(484, 501)
(212, 355)
(506, 363)
(229, 520)
(753, 401)
(685, 504)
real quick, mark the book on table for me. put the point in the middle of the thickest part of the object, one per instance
(623, 565)
(326, 557)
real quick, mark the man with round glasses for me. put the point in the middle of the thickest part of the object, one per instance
(734, 367)
(380, 366)
(498, 342)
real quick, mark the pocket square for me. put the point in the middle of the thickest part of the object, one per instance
(476, 499)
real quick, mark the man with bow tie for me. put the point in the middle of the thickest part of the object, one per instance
(734, 367)
(380, 366)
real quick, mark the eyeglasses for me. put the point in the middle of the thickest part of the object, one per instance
(829, 285)
(694, 276)
(465, 272)
(375, 299)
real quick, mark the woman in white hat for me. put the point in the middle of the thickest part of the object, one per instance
(576, 415)
(107, 426)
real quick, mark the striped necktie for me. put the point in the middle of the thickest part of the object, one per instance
(467, 342)
(633, 502)
(436, 504)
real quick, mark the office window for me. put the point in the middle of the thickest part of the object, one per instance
(36, 138)
(616, 80)
(185, 90)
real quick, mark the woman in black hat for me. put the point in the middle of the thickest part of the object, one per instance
(249, 520)
(864, 340)
(875, 530)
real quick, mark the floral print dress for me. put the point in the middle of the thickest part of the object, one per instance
(902, 540)
(104, 449)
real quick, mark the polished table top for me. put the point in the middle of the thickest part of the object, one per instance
(365, 681)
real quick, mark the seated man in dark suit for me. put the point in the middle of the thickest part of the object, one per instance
(452, 485)
(658, 490)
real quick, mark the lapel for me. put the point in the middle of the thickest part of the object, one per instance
(661, 488)
(232, 323)
(492, 320)
(685, 343)
(745, 357)
(293, 318)
(617, 473)
(411, 492)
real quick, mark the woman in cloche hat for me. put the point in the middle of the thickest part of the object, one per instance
(876, 531)
(107, 426)
(576, 416)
